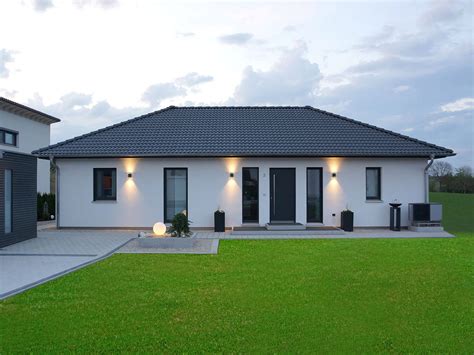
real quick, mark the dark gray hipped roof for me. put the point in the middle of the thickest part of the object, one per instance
(242, 131)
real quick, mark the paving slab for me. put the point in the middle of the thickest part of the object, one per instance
(52, 254)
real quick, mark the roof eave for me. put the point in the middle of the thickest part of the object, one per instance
(28, 112)
(47, 156)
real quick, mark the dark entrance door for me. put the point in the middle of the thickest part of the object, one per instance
(282, 195)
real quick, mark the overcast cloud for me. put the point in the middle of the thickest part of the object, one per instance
(5, 57)
(404, 66)
(236, 38)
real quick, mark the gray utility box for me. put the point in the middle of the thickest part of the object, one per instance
(425, 214)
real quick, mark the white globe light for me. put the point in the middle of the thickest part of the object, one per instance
(159, 228)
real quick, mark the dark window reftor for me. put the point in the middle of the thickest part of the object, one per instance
(372, 184)
(250, 195)
(314, 195)
(176, 192)
(105, 184)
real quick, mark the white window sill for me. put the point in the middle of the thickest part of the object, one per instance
(104, 201)
(373, 201)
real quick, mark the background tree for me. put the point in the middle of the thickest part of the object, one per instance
(464, 180)
(441, 168)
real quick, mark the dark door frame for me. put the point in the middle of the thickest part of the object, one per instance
(270, 194)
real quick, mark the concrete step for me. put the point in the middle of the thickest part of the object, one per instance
(261, 232)
(285, 227)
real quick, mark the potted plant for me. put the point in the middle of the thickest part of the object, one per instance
(180, 226)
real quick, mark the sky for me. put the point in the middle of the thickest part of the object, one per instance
(406, 66)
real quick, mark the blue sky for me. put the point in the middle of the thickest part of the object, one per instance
(404, 66)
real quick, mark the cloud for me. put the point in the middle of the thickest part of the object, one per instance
(401, 88)
(289, 28)
(80, 114)
(74, 100)
(105, 4)
(293, 79)
(193, 79)
(441, 11)
(236, 38)
(157, 92)
(185, 34)
(42, 5)
(5, 57)
(464, 104)
(371, 42)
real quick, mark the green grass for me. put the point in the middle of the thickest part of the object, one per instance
(336, 296)
(458, 210)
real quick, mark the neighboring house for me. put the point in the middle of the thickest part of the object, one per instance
(17, 197)
(22, 130)
(259, 164)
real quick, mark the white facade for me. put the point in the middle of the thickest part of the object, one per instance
(31, 135)
(140, 199)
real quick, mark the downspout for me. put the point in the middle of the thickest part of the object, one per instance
(56, 167)
(427, 179)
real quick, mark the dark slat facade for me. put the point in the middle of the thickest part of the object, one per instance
(23, 197)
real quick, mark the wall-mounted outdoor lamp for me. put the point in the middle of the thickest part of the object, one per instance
(333, 175)
(231, 175)
(129, 175)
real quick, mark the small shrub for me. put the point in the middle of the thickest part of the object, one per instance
(44, 214)
(180, 226)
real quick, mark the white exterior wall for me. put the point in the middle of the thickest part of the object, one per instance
(140, 199)
(32, 135)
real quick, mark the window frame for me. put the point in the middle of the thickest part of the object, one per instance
(379, 182)
(97, 198)
(258, 195)
(4, 132)
(320, 192)
(164, 193)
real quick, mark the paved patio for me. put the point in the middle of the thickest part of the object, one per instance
(359, 233)
(52, 254)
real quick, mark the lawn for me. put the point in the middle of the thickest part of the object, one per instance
(344, 296)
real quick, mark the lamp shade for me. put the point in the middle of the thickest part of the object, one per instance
(159, 228)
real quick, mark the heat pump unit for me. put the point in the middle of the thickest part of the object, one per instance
(425, 214)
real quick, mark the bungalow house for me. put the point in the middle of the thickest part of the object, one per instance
(258, 164)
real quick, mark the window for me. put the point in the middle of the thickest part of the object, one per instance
(8, 201)
(105, 184)
(372, 184)
(8, 137)
(314, 195)
(250, 195)
(176, 192)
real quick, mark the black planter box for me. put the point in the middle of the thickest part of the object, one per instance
(219, 221)
(347, 221)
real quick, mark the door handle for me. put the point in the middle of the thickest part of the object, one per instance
(274, 194)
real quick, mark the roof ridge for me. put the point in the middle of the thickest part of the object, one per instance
(239, 107)
(101, 130)
(381, 129)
